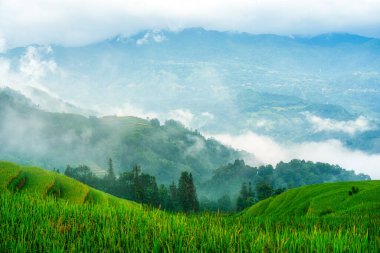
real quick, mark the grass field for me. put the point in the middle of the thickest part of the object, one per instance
(34, 220)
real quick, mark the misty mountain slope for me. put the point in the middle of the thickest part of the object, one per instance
(54, 140)
(272, 85)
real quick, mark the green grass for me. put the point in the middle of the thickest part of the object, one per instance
(33, 221)
(8, 172)
(320, 199)
(41, 182)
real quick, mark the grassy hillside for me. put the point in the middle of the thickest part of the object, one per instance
(322, 199)
(31, 222)
(33, 180)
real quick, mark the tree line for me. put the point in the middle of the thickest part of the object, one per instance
(141, 187)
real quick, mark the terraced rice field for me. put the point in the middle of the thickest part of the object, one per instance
(80, 219)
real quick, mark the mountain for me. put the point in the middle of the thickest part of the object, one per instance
(221, 82)
(333, 199)
(54, 140)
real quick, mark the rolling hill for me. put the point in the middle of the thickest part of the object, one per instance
(322, 199)
(33, 180)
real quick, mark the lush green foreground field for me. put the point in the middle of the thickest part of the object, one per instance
(32, 221)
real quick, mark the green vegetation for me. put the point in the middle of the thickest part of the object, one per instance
(332, 222)
(322, 199)
(48, 225)
(142, 188)
(41, 182)
(164, 150)
(229, 178)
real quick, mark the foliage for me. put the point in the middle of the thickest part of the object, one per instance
(228, 179)
(187, 195)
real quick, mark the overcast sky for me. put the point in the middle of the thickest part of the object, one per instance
(74, 22)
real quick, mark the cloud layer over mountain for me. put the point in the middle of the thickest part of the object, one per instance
(268, 151)
(79, 22)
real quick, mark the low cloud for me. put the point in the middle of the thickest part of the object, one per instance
(29, 71)
(184, 116)
(156, 37)
(128, 109)
(3, 45)
(32, 64)
(361, 124)
(268, 151)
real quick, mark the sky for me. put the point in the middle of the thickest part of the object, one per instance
(73, 22)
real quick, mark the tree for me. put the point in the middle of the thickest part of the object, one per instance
(164, 197)
(246, 197)
(110, 178)
(187, 194)
(173, 195)
(263, 190)
(224, 203)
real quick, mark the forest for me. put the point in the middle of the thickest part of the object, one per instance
(242, 185)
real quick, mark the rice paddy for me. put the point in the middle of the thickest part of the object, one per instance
(35, 221)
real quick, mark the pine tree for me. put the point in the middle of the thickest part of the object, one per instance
(192, 194)
(110, 179)
(187, 195)
(173, 193)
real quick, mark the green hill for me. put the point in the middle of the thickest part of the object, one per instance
(322, 199)
(33, 180)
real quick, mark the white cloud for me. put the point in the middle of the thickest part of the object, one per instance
(32, 64)
(361, 124)
(3, 45)
(184, 116)
(31, 68)
(268, 151)
(151, 36)
(80, 22)
(127, 109)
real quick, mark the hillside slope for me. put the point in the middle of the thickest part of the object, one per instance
(30, 136)
(322, 199)
(33, 180)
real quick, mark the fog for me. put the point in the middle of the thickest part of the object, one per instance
(267, 151)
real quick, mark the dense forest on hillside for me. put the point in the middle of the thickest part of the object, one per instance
(52, 140)
(229, 178)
